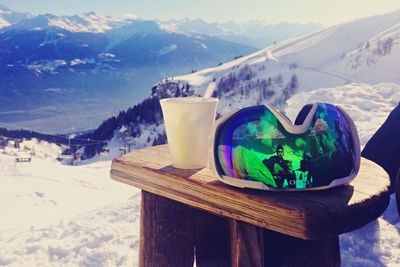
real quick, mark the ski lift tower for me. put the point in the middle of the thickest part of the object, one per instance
(123, 133)
(17, 143)
(129, 142)
(3, 142)
(72, 151)
(123, 150)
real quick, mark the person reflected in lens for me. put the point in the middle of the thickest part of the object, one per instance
(306, 170)
(281, 169)
(246, 165)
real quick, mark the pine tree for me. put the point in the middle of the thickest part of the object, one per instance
(177, 92)
(278, 80)
(291, 87)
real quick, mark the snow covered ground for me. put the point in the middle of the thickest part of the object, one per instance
(56, 215)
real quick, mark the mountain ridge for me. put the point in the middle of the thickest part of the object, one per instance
(252, 33)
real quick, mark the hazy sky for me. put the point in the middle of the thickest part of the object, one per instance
(326, 12)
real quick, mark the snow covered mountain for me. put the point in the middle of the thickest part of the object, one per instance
(86, 22)
(254, 33)
(364, 50)
(9, 17)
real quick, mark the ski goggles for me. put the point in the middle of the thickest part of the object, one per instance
(259, 147)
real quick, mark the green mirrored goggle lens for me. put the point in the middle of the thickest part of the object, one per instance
(253, 145)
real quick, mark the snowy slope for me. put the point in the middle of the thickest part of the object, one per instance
(365, 50)
(56, 215)
(40, 192)
(107, 236)
(368, 105)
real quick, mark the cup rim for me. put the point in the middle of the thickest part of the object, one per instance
(189, 100)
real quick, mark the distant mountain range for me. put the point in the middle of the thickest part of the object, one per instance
(54, 67)
(254, 33)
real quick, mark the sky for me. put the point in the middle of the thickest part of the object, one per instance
(326, 12)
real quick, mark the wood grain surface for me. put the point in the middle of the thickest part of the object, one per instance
(305, 215)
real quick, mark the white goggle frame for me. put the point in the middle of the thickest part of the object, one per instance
(294, 129)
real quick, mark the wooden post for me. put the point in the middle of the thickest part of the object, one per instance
(254, 246)
(247, 245)
(212, 242)
(172, 233)
(283, 250)
(397, 185)
(166, 233)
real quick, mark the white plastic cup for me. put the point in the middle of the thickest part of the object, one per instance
(189, 122)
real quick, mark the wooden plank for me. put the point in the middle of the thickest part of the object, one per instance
(306, 215)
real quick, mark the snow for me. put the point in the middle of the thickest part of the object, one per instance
(376, 244)
(4, 23)
(88, 22)
(41, 150)
(77, 61)
(56, 215)
(46, 65)
(168, 49)
(106, 55)
(41, 191)
(104, 237)
(368, 105)
(168, 27)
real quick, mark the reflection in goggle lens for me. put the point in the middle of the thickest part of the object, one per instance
(253, 145)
